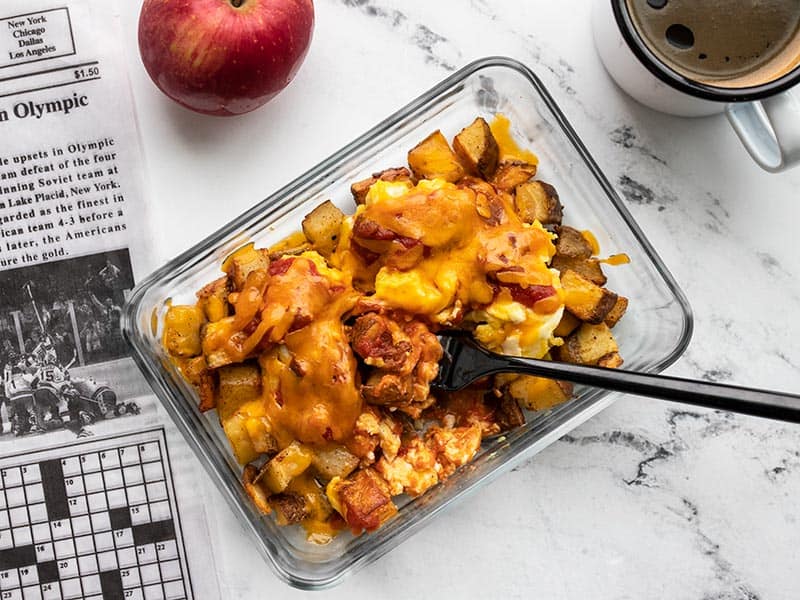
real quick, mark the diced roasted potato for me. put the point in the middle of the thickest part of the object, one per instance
(363, 500)
(433, 157)
(589, 345)
(538, 393)
(182, 325)
(587, 301)
(243, 262)
(258, 428)
(510, 174)
(290, 508)
(334, 462)
(589, 268)
(216, 357)
(235, 428)
(313, 494)
(616, 312)
(566, 325)
(538, 201)
(248, 432)
(214, 299)
(612, 360)
(321, 226)
(360, 188)
(570, 242)
(256, 492)
(238, 383)
(508, 413)
(197, 372)
(476, 147)
(286, 465)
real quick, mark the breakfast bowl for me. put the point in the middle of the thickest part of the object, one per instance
(655, 331)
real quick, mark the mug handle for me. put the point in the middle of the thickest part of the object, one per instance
(769, 130)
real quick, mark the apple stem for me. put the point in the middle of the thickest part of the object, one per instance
(237, 3)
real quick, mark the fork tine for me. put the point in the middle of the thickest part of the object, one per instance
(463, 361)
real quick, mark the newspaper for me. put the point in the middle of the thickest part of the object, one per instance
(74, 239)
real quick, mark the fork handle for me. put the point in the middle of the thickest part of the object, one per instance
(748, 401)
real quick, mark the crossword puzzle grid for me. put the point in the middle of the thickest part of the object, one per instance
(95, 524)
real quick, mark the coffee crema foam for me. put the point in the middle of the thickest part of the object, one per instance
(724, 43)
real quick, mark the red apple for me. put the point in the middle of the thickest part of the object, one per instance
(224, 57)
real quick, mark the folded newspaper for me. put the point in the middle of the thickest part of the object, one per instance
(97, 491)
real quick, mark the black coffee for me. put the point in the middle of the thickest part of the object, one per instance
(728, 43)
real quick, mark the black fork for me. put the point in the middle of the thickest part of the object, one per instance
(465, 361)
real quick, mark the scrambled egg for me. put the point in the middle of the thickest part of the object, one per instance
(453, 253)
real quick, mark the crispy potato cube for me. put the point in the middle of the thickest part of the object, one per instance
(588, 345)
(235, 428)
(538, 201)
(587, 301)
(215, 307)
(508, 413)
(476, 147)
(612, 360)
(258, 428)
(313, 494)
(616, 312)
(182, 325)
(433, 158)
(589, 268)
(511, 173)
(571, 242)
(539, 393)
(198, 374)
(254, 489)
(244, 261)
(238, 383)
(566, 325)
(363, 500)
(249, 435)
(334, 462)
(214, 299)
(286, 465)
(290, 508)
(321, 226)
(360, 188)
(216, 357)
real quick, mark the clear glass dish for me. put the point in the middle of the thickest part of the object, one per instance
(654, 332)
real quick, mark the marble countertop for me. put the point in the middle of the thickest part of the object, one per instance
(646, 500)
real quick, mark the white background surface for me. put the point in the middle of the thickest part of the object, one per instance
(645, 500)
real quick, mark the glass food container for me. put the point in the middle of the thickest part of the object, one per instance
(654, 332)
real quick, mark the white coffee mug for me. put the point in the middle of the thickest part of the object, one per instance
(765, 117)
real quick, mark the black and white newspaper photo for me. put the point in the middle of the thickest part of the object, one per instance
(63, 357)
(84, 445)
(72, 220)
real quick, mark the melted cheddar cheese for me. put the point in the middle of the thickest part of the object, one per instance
(459, 250)
(310, 356)
(310, 391)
